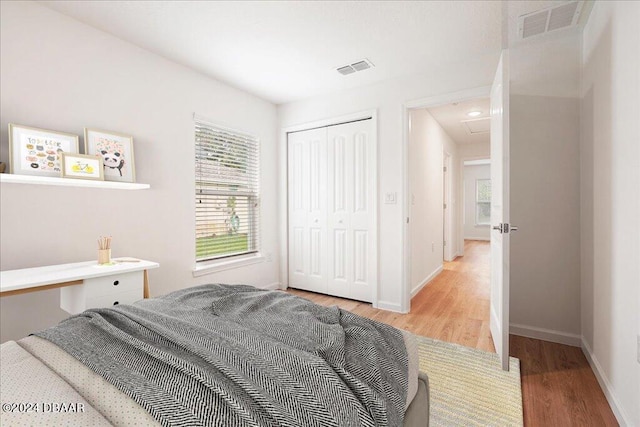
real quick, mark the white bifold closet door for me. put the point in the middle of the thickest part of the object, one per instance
(332, 239)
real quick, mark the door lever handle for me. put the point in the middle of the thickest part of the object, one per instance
(505, 228)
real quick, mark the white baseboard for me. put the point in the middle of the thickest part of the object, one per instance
(426, 281)
(272, 286)
(384, 305)
(566, 338)
(605, 385)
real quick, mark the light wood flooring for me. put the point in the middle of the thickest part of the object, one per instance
(558, 386)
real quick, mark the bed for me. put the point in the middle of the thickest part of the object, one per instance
(215, 355)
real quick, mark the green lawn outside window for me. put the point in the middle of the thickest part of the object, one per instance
(208, 247)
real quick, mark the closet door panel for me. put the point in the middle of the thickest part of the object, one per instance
(350, 215)
(298, 179)
(362, 223)
(338, 283)
(361, 286)
(317, 218)
(307, 189)
(361, 174)
(296, 261)
(316, 252)
(340, 201)
(337, 174)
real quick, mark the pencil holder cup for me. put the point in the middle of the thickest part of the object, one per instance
(104, 256)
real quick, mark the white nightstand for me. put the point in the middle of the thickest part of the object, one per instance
(83, 285)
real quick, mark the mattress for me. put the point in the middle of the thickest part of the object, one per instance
(42, 384)
(53, 388)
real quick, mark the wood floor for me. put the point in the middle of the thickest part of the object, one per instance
(558, 386)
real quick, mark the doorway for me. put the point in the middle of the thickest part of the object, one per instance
(440, 134)
(498, 124)
(444, 136)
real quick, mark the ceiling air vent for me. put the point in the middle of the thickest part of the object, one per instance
(347, 69)
(549, 19)
(356, 66)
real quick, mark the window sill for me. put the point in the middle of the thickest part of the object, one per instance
(213, 266)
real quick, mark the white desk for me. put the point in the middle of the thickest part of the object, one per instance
(83, 284)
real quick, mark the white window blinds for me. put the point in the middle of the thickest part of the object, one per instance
(227, 192)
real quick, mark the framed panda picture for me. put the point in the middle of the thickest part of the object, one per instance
(116, 151)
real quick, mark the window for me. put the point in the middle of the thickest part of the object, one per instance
(227, 193)
(483, 202)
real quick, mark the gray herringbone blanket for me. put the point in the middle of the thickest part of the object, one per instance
(235, 355)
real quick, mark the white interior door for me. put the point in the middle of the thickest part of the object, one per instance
(307, 188)
(499, 322)
(352, 260)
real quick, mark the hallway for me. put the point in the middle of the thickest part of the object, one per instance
(454, 306)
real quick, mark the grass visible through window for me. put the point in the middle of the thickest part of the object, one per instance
(207, 247)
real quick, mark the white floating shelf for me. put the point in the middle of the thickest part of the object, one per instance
(69, 182)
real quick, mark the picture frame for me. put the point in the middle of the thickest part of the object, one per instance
(35, 151)
(116, 150)
(82, 166)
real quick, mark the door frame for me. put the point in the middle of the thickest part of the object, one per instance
(283, 190)
(428, 102)
(449, 219)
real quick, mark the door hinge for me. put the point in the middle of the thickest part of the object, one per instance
(407, 220)
(444, 168)
(444, 243)
(444, 205)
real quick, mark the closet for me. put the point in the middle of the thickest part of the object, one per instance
(332, 210)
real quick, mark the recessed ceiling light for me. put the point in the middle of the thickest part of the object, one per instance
(474, 113)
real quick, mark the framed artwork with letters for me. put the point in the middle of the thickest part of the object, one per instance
(34, 151)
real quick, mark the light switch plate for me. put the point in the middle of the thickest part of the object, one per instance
(390, 198)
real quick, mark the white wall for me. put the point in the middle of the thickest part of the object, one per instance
(474, 151)
(610, 202)
(544, 187)
(59, 74)
(545, 203)
(427, 140)
(388, 98)
(472, 231)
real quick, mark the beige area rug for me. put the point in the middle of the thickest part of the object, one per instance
(468, 387)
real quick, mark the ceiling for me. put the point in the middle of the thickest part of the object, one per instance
(285, 51)
(452, 117)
